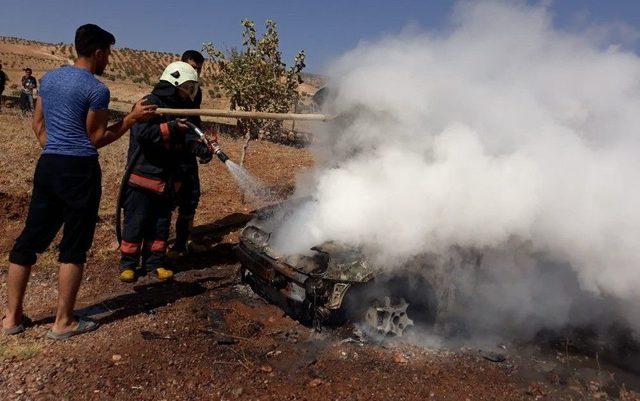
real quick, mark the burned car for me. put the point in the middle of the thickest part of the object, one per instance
(333, 284)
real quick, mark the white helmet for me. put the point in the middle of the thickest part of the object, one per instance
(179, 73)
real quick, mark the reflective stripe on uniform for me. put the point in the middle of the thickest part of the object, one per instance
(151, 184)
(158, 246)
(130, 248)
(165, 131)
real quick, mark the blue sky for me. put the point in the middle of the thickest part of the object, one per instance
(325, 29)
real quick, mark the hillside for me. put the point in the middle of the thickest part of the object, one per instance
(130, 74)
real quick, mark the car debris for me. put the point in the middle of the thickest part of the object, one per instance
(335, 283)
(493, 356)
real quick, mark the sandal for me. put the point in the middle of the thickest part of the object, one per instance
(12, 331)
(85, 325)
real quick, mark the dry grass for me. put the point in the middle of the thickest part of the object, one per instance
(14, 348)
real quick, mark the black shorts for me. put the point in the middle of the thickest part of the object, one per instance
(66, 191)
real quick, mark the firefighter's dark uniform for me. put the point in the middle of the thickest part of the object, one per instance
(188, 196)
(156, 149)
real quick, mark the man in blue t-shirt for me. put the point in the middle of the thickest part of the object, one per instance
(70, 123)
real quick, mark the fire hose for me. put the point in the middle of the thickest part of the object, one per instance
(212, 145)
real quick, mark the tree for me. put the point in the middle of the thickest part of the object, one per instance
(255, 79)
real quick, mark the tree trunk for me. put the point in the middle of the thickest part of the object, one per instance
(245, 146)
(295, 111)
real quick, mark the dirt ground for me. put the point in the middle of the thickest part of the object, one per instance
(207, 337)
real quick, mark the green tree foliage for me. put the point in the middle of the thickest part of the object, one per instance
(256, 79)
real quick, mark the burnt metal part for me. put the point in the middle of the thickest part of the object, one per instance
(389, 318)
(332, 284)
(493, 356)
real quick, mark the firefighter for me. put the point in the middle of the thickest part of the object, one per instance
(189, 194)
(156, 150)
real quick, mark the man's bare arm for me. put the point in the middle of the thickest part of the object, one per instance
(38, 124)
(101, 135)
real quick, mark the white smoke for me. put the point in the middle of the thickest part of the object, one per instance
(503, 130)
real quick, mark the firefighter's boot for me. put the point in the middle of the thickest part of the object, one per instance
(164, 274)
(128, 276)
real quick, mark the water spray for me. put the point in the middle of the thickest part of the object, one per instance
(249, 184)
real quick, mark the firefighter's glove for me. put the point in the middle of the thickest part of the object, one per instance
(212, 135)
(178, 128)
(202, 152)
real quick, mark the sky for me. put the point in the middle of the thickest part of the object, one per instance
(324, 29)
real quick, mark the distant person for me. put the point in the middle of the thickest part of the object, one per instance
(29, 87)
(70, 123)
(3, 82)
(189, 194)
(157, 149)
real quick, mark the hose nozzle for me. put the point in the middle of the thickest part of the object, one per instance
(214, 145)
(218, 152)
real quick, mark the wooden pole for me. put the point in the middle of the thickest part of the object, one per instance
(244, 114)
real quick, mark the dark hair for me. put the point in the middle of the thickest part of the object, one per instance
(91, 37)
(192, 55)
(28, 70)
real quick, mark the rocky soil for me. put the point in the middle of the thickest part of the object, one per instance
(208, 337)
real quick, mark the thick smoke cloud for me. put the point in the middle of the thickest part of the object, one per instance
(502, 134)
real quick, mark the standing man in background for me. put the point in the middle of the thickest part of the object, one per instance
(29, 86)
(70, 123)
(3, 82)
(189, 194)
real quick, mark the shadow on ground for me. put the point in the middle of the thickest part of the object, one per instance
(149, 296)
(208, 237)
(144, 299)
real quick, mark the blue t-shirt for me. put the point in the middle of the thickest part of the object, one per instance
(67, 95)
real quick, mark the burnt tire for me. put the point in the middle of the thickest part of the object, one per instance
(388, 295)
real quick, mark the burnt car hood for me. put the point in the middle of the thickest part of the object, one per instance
(330, 260)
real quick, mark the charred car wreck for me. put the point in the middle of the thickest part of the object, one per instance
(332, 284)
